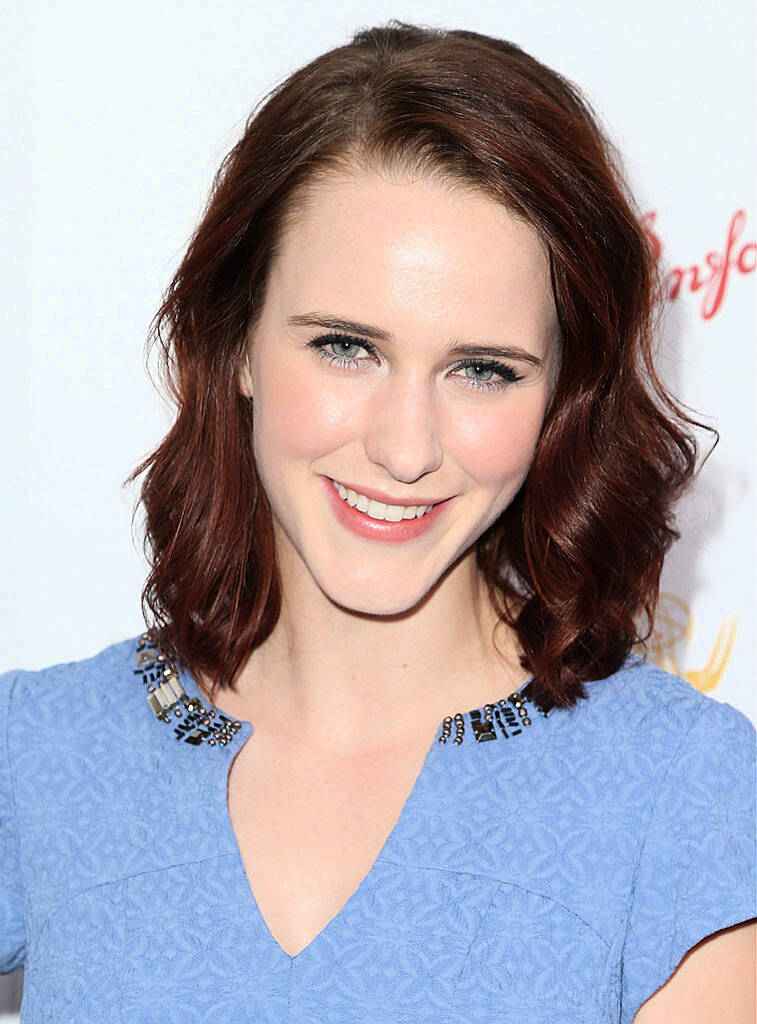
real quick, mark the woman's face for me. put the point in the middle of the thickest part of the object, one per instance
(390, 405)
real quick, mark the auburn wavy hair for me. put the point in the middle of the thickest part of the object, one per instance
(573, 564)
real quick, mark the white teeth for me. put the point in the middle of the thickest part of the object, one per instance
(377, 509)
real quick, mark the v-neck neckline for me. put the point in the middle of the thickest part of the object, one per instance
(218, 800)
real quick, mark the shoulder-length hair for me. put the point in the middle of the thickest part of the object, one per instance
(573, 564)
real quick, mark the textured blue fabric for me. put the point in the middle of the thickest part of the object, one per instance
(558, 875)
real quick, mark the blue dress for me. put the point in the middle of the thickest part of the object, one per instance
(549, 871)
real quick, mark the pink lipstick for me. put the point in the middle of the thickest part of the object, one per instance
(380, 529)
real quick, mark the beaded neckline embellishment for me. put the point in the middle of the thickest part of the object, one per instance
(166, 696)
(498, 719)
(198, 724)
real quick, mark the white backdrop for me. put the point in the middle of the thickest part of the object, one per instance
(115, 117)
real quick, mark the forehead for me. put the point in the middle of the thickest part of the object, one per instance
(412, 247)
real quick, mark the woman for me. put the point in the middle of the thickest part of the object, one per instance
(384, 752)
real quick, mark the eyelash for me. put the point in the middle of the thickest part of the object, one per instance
(506, 373)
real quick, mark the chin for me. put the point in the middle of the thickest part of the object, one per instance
(362, 602)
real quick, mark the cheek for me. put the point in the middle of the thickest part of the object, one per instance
(296, 411)
(496, 447)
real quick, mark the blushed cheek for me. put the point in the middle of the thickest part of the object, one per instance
(297, 416)
(495, 449)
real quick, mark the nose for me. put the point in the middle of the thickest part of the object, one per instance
(401, 433)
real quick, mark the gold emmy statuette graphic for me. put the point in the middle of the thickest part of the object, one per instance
(674, 628)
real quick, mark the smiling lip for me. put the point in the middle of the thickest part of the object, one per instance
(381, 529)
(375, 495)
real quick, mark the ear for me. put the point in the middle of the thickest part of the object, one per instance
(245, 375)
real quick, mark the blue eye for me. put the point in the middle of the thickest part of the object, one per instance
(342, 340)
(503, 373)
(506, 373)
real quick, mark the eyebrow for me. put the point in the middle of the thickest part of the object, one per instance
(333, 323)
